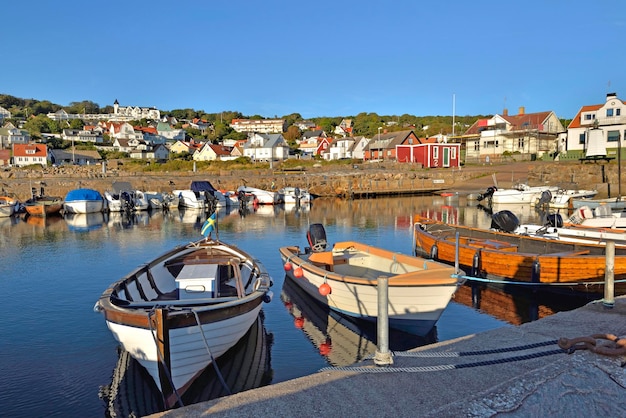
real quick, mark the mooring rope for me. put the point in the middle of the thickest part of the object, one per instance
(436, 368)
(452, 354)
(206, 344)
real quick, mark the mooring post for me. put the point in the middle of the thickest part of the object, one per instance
(609, 276)
(383, 356)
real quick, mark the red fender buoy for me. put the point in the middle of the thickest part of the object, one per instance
(299, 322)
(324, 289)
(288, 266)
(297, 272)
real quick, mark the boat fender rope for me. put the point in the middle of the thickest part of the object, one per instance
(605, 344)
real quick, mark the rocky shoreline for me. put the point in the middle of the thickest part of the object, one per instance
(329, 181)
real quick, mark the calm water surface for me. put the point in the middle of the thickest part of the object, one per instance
(59, 359)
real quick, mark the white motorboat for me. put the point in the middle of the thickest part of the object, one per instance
(562, 198)
(83, 201)
(294, 195)
(261, 197)
(520, 193)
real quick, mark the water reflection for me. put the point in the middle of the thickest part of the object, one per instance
(84, 222)
(341, 340)
(517, 305)
(132, 392)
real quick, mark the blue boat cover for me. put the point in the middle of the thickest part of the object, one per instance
(83, 194)
(202, 186)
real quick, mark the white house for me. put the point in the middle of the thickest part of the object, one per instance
(259, 125)
(10, 135)
(81, 135)
(524, 133)
(340, 148)
(600, 126)
(4, 114)
(266, 147)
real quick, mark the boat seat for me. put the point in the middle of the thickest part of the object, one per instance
(492, 244)
(567, 253)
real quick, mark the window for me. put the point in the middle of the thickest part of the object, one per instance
(435, 152)
(477, 146)
(589, 116)
(453, 153)
(520, 143)
(612, 136)
(618, 112)
(609, 113)
(581, 138)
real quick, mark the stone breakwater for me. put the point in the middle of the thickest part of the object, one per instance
(332, 181)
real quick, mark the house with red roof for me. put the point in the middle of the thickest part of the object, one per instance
(532, 135)
(212, 152)
(383, 145)
(29, 154)
(434, 152)
(598, 129)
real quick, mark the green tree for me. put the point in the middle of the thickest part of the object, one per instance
(293, 133)
(77, 124)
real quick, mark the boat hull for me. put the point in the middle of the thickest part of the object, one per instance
(418, 291)
(83, 206)
(507, 257)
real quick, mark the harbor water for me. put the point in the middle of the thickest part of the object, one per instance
(59, 359)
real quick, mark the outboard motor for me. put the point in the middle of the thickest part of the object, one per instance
(316, 236)
(128, 204)
(504, 221)
(545, 198)
(555, 220)
(488, 193)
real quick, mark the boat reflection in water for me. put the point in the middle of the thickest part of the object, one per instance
(515, 304)
(246, 366)
(341, 340)
(84, 222)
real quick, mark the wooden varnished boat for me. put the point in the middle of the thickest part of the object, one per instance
(508, 257)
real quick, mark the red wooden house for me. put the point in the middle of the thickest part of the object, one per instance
(430, 153)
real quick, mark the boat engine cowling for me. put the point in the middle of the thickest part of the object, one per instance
(545, 198)
(504, 221)
(554, 220)
(488, 193)
(316, 236)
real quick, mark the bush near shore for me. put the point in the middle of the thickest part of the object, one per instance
(322, 178)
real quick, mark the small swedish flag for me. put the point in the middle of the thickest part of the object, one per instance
(209, 225)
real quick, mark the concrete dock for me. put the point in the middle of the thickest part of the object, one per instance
(516, 371)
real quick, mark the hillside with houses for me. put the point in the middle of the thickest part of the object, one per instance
(60, 137)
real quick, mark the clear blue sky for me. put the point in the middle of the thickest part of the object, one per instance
(318, 58)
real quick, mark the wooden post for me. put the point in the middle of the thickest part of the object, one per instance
(609, 275)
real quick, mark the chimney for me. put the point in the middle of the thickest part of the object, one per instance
(521, 110)
(611, 96)
(505, 112)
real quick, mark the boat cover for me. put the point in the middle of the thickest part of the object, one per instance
(202, 186)
(83, 194)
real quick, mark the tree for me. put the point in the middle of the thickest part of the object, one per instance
(293, 133)
(77, 124)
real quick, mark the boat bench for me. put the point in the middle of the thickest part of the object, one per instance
(567, 253)
(492, 244)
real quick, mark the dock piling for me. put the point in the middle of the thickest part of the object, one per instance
(383, 356)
